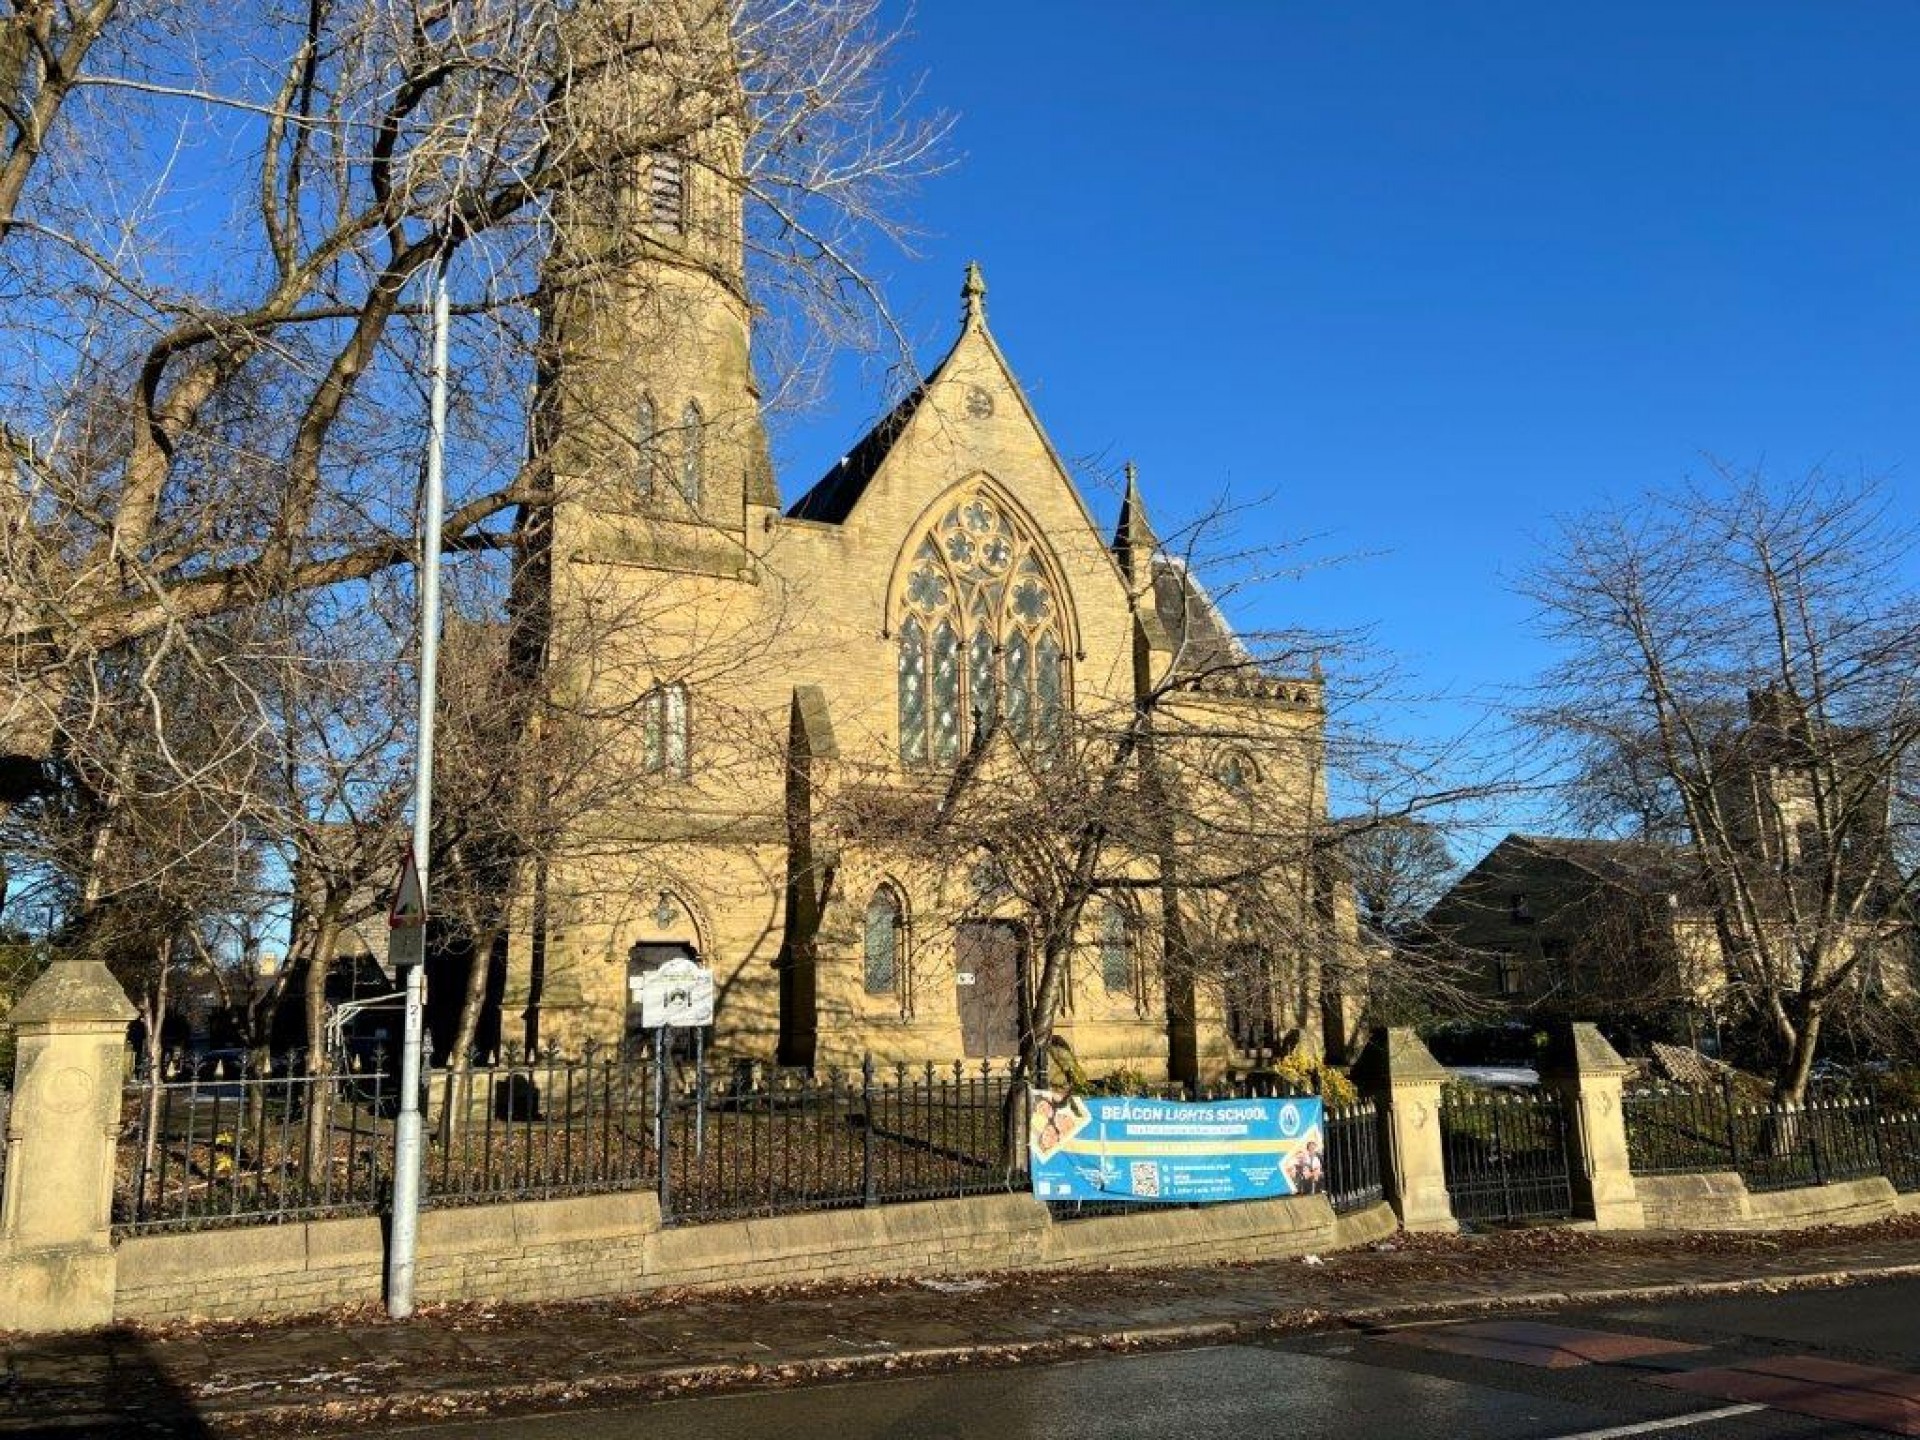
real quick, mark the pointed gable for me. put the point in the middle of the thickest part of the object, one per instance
(971, 393)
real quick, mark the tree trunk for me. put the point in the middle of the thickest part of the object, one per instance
(319, 1064)
(1790, 1084)
(473, 1000)
(155, 1006)
(456, 1102)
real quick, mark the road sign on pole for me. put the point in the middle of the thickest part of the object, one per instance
(406, 946)
(678, 995)
(409, 910)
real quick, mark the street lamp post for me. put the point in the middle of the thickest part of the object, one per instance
(407, 1157)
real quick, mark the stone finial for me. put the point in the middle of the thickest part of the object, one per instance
(76, 991)
(1396, 1056)
(974, 293)
(1579, 1050)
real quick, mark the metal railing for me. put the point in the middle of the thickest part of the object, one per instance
(1353, 1156)
(213, 1146)
(216, 1145)
(1899, 1137)
(1505, 1155)
(541, 1128)
(1770, 1146)
(844, 1139)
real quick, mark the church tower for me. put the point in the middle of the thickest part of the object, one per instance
(648, 413)
(636, 588)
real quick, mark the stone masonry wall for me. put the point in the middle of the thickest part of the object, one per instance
(1721, 1201)
(604, 1245)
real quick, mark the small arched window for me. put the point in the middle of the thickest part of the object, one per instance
(646, 430)
(693, 445)
(1116, 950)
(884, 931)
(663, 731)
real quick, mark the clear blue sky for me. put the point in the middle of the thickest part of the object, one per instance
(1429, 275)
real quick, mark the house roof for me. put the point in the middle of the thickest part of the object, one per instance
(1632, 864)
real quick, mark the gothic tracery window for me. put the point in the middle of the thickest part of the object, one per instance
(982, 639)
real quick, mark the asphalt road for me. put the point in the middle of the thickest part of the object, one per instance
(1409, 1384)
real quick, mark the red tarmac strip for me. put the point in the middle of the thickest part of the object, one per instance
(1531, 1342)
(1806, 1385)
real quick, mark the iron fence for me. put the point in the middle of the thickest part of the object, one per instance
(844, 1139)
(207, 1146)
(541, 1128)
(214, 1145)
(1505, 1155)
(1353, 1156)
(1900, 1148)
(1770, 1146)
(1680, 1132)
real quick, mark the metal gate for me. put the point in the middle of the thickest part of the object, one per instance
(1506, 1155)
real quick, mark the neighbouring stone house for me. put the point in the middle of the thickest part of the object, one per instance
(759, 661)
(1559, 927)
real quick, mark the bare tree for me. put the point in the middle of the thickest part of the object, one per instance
(1741, 660)
(185, 439)
(208, 425)
(1197, 806)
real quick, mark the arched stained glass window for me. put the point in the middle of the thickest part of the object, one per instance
(913, 692)
(1049, 689)
(884, 917)
(693, 447)
(981, 616)
(646, 427)
(664, 739)
(1116, 950)
(1235, 771)
(946, 693)
(1019, 702)
(982, 670)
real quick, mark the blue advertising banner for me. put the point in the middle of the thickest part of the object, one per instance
(1173, 1151)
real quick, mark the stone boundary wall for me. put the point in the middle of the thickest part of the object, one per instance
(1720, 1200)
(61, 1268)
(605, 1245)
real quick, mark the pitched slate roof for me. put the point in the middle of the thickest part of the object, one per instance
(1631, 864)
(1204, 639)
(832, 497)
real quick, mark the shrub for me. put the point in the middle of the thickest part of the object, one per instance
(1124, 1081)
(1308, 1071)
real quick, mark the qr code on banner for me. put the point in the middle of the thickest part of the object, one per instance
(1146, 1177)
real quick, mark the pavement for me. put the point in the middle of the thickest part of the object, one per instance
(355, 1369)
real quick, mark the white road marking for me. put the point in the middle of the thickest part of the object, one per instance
(1672, 1422)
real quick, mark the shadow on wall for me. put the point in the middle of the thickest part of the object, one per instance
(105, 1384)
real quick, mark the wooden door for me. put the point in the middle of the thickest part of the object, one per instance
(988, 974)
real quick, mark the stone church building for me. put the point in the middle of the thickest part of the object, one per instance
(763, 678)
